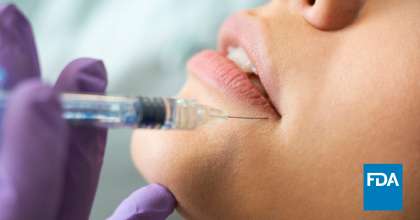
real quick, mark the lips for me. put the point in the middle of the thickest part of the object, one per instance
(216, 70)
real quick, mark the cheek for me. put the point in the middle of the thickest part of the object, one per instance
(348, 98)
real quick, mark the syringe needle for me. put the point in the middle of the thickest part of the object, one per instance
(249, 117)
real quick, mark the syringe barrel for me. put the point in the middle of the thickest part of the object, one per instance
(135, 112)
(100, 110)
(139, 112)
(187, 114)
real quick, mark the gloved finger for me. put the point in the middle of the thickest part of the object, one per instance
(150, 202)
(87, 144)
(18, 55)
(34, 153)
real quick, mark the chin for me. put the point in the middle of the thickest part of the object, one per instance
(209, 170)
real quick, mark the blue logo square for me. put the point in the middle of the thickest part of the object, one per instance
(383, 187)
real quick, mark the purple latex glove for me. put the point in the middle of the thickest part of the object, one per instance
(152, 202)
(49, 170)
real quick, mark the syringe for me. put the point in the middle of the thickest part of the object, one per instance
(136, 112)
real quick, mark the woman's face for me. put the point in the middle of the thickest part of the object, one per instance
(343, 86)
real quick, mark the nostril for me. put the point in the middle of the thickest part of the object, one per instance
(331, 14)
(311, 2)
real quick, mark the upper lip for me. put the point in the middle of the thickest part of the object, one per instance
(239, 30)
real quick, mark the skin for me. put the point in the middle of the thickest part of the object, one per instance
(347, 87)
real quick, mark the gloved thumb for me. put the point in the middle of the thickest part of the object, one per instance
(150, 202)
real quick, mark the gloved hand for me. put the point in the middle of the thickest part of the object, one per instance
(49, 170)
(152, 202)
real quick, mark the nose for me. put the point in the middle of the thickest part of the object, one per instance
(329, 14)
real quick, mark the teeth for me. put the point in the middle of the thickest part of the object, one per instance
(239, 57)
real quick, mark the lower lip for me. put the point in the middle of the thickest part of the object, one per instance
(221, 73)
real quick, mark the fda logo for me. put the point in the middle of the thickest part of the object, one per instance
(392, 179)
(382, 189)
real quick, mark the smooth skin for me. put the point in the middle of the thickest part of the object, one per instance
(347, 87)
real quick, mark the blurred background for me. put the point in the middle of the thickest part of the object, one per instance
(144, 45)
